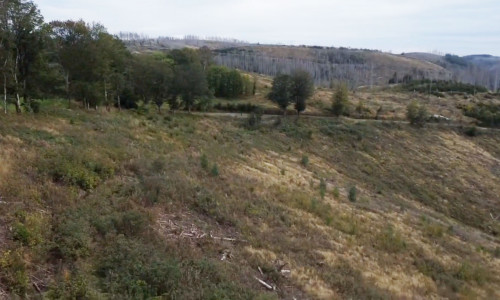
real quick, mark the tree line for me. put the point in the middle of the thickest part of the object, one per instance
(83, 62)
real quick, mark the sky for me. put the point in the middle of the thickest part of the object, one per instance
(438, 26)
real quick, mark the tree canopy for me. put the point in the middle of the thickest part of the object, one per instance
(295, 88)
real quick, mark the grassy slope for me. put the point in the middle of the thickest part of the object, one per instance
(97, 204)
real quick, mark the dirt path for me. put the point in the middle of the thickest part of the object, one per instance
(450, 124)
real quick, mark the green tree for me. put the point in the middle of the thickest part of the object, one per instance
(154, 78)
(281, 91)
(340, 104)
(5, 49)
(190, 79)
(25, 27)
(416, 113)
(302, 88)
(72, 39)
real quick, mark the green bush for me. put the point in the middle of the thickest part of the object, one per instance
(471, 131)
(341, 105)
(21, 233)
(35, 106)
(74, 174)
(487, 114)
(77, 169)
(305, 160)
(336, 193)
(416, 113)
(353, 194)
(322, 188)
(14, 273)
(254, 120)
(472, 272)
(71, 237)
(133, 269)
(215, 170)
(390, 241)
(438, 86)
(204, 162)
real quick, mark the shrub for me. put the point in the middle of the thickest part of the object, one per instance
(77, 169)
(416, 113)
(353, 194)
(253, 121)
(471, 131)
(471, 272)
(322, 188)
(436, 87)
(204, 162)
(432, 230)
(215, 170)
(305, 160)
(390, 240)
(487, 114)
(21, 233)
(340, 105)
(77, 175)
(35, 106)
(133, 269)
(71, 238)
(336, 193)
(14, 273)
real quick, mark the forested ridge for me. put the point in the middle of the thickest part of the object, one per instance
(357, 67)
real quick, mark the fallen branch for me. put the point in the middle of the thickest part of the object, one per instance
(494, 219)
(227, 239)
(268, 286)
(37, 288)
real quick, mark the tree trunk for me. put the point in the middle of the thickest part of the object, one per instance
(18, 99)
(105, 93)
(26, 98)
(18, 103)
(66, 78)
(5, 93)
(119, 103)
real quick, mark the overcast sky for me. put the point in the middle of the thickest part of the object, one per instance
(446, 26)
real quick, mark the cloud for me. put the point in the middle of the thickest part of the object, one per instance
(382, 24)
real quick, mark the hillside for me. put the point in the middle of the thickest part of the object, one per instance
(358, 67)
(135, 204)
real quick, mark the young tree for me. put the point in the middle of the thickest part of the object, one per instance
(416, 113)
(302, 88)
(281, 91)
(340, 104)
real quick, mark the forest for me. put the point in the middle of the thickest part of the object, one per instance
(74, 60)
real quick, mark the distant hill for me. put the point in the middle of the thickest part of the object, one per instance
(358, 67)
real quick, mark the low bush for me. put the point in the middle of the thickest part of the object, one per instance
(390, 240)
(439, 86)
(487, 114)
(305, 160)
(416, 113)
(132, 269)
(77, 169)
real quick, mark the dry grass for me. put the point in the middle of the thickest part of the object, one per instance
(423, 205)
